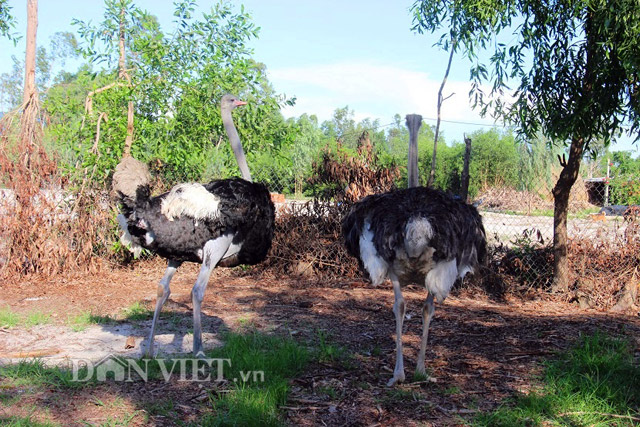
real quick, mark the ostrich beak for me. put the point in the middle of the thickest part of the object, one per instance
(238, 103)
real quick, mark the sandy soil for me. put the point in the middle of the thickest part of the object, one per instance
(481, 351)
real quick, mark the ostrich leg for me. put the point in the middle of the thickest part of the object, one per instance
(398, 310)
(427, 313)
(213, 252)
(163, 295)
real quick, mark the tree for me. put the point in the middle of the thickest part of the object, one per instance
(441, 99)
(62, 46)
(7, 21)
(176, 80)
(30, 56)
(576, 64)
(305, 148)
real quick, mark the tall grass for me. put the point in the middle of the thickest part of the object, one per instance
(596, 383)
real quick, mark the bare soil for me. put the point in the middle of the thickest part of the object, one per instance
(480, 351)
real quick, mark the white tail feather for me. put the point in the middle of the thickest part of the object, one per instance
(417, 235)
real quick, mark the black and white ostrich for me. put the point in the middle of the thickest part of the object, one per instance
(418, 235)
(226, 222)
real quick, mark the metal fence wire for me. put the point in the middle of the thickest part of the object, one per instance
(603, 235)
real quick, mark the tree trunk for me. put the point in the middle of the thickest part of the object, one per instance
(432, 171)
(128, 142)
(561, 193)
(30, 55)
(570, 170)
(464, 186)
(30, 104)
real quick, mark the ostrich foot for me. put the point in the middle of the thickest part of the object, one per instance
(147, 350)
(398, 377)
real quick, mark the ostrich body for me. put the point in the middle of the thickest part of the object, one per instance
(223, 223)
(415, 235)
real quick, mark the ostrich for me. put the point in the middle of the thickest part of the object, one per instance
(226, 222)
(414, 235)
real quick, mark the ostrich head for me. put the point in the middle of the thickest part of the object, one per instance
(228, 104)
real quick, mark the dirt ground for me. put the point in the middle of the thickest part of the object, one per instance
(480, 351)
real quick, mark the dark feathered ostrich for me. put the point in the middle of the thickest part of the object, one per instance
(416, 235)
(226, 222)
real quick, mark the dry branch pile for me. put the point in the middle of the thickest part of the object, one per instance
(308, 241)
(342, 177)
(43, 228)
(308, 244)
(509, 199)
(607, 272)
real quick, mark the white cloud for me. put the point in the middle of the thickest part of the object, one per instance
(371, 90)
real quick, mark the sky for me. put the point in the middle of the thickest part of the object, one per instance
(327, 53)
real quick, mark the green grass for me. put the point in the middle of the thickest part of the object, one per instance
(13, 421)
(163, 408)
(8, 318)
(595, 383)
(36, 318)
(584, 213)
(34, 373)
(79, 322)
(398, 396)
(137, 312)
(327, 351)
(255, 402)
(417, 376)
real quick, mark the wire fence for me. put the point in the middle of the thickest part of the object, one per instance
(603, 232)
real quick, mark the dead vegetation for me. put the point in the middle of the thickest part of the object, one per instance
(605, 273)
(344, 178)
(45, 229)
(507, 199)
(308, 241)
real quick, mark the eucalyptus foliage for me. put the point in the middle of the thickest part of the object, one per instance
(574, 63)
(175, 80)
(7, 21)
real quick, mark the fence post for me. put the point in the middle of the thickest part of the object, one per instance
(606, 183)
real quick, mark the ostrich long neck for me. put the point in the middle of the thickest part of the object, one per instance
(414, 121)
(236, 145)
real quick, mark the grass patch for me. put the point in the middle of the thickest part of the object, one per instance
(582, 214)
(137, 312)
(163, 408)
(418, 376)
(398, 396)
(80, 321)
(328, 352)
(8, 318)
(36, 318)
(8, 399)
(34, 373)
(268, 362)
(13, 421)
(594, 383)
